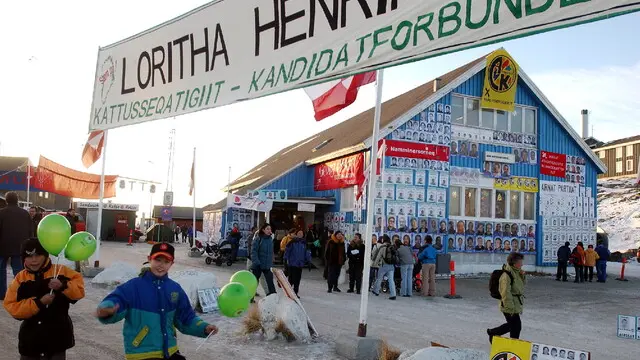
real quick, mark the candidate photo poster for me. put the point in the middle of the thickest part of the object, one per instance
(550, 352)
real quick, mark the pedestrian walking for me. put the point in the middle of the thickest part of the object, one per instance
(428, 259)
(564, 253)
(511, 288)
(355, 254)
(386, 260)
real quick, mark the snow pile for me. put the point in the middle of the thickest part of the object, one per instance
(116, 274)
(192, 281)
(439, 353)
(618, 213)
(281, 315)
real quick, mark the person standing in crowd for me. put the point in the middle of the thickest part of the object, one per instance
(405, 255)
(191, 233)
(72, 218)
(234, 238)
(297, 256)
(283, 246)
(384, 260)
(36, 216)
(601, 264)
(324, 239)
(334, 259)
(15, 228)
(564, 252)
(355, 254)
(577, 257)
(250, 240)
(262, 257)
(427, 257)
(311, 238)
(590, 258)
(512, 284)
(176, 232)
(184, 233)
(373, 269)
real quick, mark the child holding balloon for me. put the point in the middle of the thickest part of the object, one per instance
(153, 306)
(40, 296)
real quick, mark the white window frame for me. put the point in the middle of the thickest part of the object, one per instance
(629, 164)
(460, 203)
(347, 199)
(619, 167)
(522, 205)
(522, 108)
(628, 151)
(619, 152)
(493, 218)
(602, 154)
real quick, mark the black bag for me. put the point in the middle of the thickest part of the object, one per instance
(494, 282)
(391, 256)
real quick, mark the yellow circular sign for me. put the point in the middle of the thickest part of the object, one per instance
(502, 75)
(506, 356)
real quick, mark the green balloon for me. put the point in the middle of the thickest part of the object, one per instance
(247, 279)
(233, 300)
(53, 233)
(80, 247)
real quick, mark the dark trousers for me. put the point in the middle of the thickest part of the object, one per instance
(579, 273)
(333, 275)
(295, 275)
(58, 356)
(373, 273)
(268, 277)
(513, 326)
(355, 277)
(16, 266)
(588, 273)
(562, 270)
(602, 270)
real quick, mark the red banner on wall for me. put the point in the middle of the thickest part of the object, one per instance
(61, 180)
(553, 164)
(340, 173)
(416, 150)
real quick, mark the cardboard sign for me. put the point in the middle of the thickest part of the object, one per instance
(412, 150)
(208, 299)
(511, 349)
(628, 327)
(553, 164)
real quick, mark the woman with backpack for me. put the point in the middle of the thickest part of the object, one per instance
(385, 259)
(509, 289)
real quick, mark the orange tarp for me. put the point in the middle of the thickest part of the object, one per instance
(55, 178)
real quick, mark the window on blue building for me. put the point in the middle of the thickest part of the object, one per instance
(502, 121)
(529, 206)
(457, 109)
(454, 201)
(470, 202)
(466, 110)
(486, 206)
(514, 205)
(501, 204)
(487, 119)
(530, 121)
(473, 112)
(516, 119)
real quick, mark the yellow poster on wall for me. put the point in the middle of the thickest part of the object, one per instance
(517, 183)
(500, 81)
(510, 349)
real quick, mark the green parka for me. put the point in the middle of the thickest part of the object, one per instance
(512, 293)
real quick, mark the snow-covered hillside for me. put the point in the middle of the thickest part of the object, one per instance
(619, 213)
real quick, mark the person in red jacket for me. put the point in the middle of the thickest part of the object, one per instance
(578, 260)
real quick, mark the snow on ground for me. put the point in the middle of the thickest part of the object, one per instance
(619, 213)
(563, 314)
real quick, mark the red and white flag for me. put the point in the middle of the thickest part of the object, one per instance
(192, 183)
(365, 178)
(93, 148)
(330, 97)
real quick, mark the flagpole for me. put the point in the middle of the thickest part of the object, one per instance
(384, 144)
(364, 300)
(28, 181)
(195, 231)
(96, 255)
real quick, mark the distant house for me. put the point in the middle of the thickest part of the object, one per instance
(621, 157)
(180, 215)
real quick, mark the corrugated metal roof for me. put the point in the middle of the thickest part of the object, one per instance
(12, 163)
(344, 135)
(620, 141)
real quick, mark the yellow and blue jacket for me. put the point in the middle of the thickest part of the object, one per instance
(152, 309)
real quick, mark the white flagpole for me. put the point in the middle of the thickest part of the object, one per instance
(28, 182)
(383, 195)
(364, 300)
(96, 255)
(195, 231)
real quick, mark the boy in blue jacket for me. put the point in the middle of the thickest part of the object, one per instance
(428, 259)
(153, 307)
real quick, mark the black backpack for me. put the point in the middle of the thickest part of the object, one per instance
(391, 256)
(494, 282)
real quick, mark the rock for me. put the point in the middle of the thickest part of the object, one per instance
(268, 309)
(439, 353)
(294, 318)
(407, 354)
(192, 281)
(116, 274)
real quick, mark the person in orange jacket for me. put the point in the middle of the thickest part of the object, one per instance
(40, 296)
(590, 258)
(578, 260)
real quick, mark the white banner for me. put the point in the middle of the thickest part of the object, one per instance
(228, 51)
(107, 206)
(244, 202)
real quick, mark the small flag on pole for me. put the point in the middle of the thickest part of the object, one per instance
(93, 148)
(192, 183)
(330, 97)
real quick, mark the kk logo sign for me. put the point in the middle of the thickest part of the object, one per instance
(500, 81)
(506, 356)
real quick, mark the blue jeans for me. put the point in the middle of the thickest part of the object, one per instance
(601, 267)
(16, 266)
(386, 270)
(406, 286)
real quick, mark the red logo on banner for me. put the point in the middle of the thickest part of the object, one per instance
(339, 173)
(416, 150)
(553, 164)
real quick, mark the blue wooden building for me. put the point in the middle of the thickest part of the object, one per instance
(488, 197)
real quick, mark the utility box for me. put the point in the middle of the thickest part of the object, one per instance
(442, 263)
